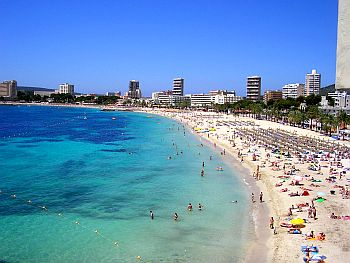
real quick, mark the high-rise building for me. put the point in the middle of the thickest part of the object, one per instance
(293, 90)
(254, 88)
(134, 90)
(312, 83)
(343, 47)
(8, 89)
(178, 87)
(66, 88)
(272, 95)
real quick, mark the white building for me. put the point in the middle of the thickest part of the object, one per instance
(66, 88)
(224, 96)
(200, 100)
(178, 87)
(293, 90)
(312, 83)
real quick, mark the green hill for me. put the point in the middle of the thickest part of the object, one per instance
(325, 90)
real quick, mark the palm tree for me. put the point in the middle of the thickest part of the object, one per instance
(343, 120)
(313, 113)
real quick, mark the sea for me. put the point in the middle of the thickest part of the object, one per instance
(78, 185)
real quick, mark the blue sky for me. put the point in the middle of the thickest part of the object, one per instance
(100, 45)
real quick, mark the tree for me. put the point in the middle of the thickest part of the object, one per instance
(343, 119)
(313, 113)
(313, 100)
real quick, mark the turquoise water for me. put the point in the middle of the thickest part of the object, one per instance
(107, 175)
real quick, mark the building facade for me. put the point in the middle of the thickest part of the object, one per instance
(223, 97)
(178, 87)
(293, 90)
(272, 95)
(343, 47)
(134, 90)
(8, 89)
(200, 100)
(66, 88)
(312, 83)
(254, 88)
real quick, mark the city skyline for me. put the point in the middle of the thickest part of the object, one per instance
(100, 48)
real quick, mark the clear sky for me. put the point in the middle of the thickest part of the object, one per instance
(100, 45)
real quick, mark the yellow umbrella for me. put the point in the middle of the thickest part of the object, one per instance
(297, 221)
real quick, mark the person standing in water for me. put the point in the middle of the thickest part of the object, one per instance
(189, 207)
(200, 207)
(176, 216)
(202, 172)
(151, 214)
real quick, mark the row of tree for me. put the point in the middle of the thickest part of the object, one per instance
(300, 112)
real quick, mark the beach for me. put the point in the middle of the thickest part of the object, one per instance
(296, 185)
(298, 173)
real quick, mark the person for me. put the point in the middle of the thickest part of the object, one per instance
(176, 216)
(253, 201)
(151, 214)
(189, 207)
(202, 172)
(210, 157)
(261, 197)
(272, 221)
(200, 207)
(311, 235)
(314, 213)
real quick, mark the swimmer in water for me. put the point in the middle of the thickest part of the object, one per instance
(189, 207)
(200, 207)
(176, 216)
(202, 172)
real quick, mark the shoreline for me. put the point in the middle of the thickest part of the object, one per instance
(257, 249)
(281, 247)
(332, 159)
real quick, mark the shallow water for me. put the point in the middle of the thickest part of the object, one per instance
(107, 175)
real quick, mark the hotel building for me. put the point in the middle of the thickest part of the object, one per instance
(178, 87)
(66, 88)
(254, 88)
(293, 90)
(312, 83)
(272, 95)
(134, 90)
(8, 89)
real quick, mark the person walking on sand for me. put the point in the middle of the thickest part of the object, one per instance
(261, 197)
(253, 201)
(272, 221)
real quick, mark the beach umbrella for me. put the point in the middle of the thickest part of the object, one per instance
(297, 221)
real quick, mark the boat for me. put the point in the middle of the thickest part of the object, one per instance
(114, 118)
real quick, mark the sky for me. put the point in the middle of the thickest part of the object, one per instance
(100, 45)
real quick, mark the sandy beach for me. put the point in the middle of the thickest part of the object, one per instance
(302, 174)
